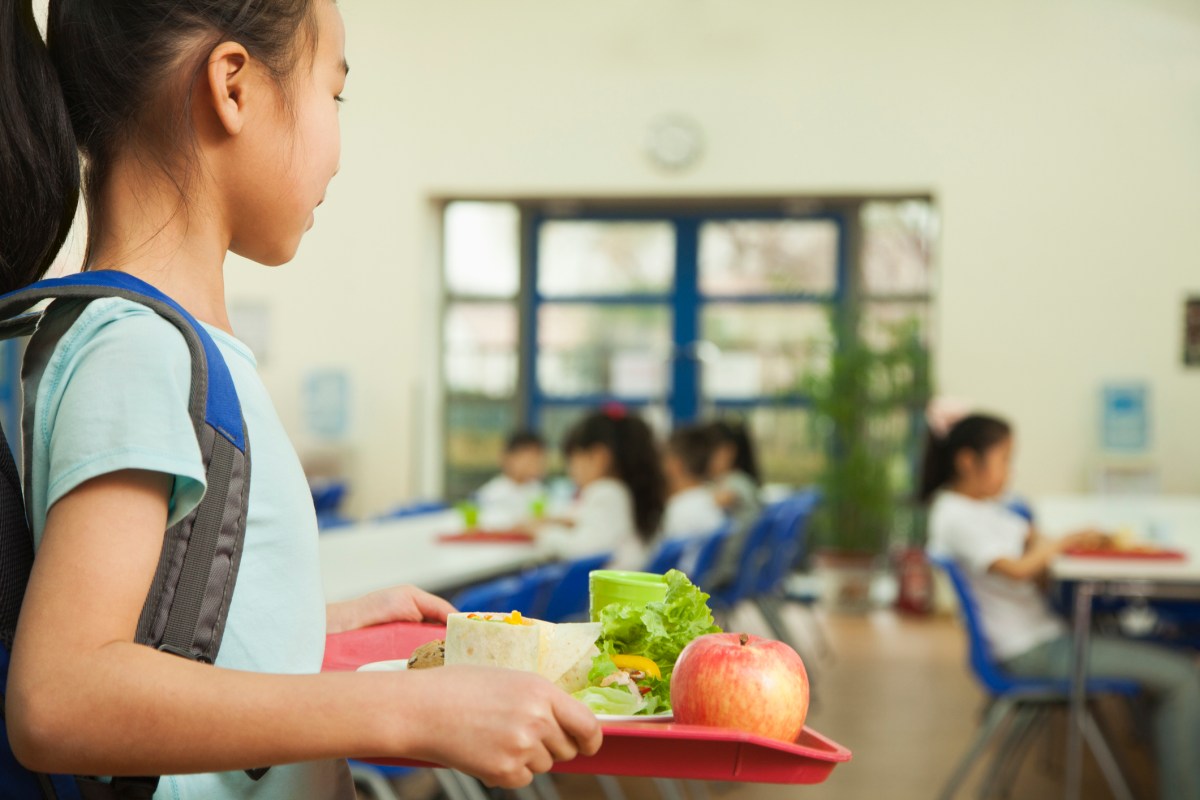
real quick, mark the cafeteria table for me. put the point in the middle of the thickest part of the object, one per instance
(361, 558)
(1169, 523)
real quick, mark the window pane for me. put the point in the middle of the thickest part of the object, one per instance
(619, 350)
(476, 430)
(481, 348)
(785, 448)
(764, 349)
(768, 257)
(896, 324)
(598, 258)
(898, 244)
(482, 249)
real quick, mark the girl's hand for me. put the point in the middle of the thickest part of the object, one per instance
(1086, 540)
(395, 604)
(502, 726)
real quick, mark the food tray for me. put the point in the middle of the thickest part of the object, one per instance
(650, 750)
(489, 537)
(1126, 555)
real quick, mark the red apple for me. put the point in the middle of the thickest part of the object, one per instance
(734, 680)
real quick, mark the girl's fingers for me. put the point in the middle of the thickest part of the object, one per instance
(578, 722)
(431, 606)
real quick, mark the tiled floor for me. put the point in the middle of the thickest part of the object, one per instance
(898, 694)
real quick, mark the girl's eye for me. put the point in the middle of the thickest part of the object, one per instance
(338, 98)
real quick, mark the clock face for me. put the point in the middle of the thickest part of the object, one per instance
(674, 142)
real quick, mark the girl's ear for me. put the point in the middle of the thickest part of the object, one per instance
(966, 462)
(228, 83)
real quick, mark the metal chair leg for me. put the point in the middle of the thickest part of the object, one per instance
(1006, 761)
(1104, 758)
(544, 787)
(611, 787)
(995, 717)
(379, 786)
(697, 789)
(458, 786)
(1040, 715)
(669, 789)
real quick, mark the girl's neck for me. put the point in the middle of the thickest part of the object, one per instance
(967, 489)
(145, 229)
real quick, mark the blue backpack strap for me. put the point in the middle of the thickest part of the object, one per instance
(188, 602)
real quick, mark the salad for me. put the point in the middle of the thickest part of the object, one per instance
(638, 648)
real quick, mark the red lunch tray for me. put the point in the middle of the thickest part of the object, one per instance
(639, 749)
(1134, 555)
(493, 537)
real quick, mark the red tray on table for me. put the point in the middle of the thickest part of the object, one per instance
(1136, 555)
(640, 749)
(491, 537)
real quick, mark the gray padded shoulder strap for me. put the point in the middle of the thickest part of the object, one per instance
(188, 603)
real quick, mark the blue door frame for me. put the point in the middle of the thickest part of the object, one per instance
(685, 300)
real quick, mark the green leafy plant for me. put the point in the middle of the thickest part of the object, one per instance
(865, 402)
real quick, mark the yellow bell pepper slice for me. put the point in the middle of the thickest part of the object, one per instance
(641, 663)
(514, 618)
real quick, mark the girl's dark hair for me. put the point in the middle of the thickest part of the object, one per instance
(733, 432)
(113, 76)
(519, 440)
(693, 446)
(635, 462)
(977, 433)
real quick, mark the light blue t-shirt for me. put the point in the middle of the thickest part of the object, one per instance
(114, 396)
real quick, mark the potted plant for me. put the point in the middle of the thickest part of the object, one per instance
(865, 404)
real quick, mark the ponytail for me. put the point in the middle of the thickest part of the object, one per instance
(39, 162)
(635, 460)
(977, 433)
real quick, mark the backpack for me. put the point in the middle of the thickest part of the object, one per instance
(188, 602)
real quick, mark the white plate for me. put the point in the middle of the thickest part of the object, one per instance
(401, 664)
(385, 666)
(666, 716)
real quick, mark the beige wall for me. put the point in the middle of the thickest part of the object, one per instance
(1060, 138)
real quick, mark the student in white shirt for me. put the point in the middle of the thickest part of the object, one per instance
(1003, 556)
(691, 508)
(614, 462)
(510, 498)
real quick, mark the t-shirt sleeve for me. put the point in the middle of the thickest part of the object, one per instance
(978, 543)
(115, 396)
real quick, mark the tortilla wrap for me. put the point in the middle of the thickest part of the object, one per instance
(562, 654)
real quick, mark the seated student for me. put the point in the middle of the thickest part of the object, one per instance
(510, 497)
(691, 508)
(965, 471)
(613, 461)
(733, 470)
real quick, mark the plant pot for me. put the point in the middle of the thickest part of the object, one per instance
(845, 579)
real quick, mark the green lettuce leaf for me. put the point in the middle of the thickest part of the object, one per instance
(659, 631)
(610, 700)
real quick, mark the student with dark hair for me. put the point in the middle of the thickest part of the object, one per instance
(965, 473)
(207, 127)
(614, 462)
(733, 470)
(691, 508)
(510, 498)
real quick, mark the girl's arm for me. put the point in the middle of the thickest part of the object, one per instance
(83, 698)
(394, 604)
(1040, 551)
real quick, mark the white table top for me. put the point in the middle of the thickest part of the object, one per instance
(1167, 521)
(374, 555)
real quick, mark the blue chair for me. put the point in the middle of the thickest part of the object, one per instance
(568, 599)
(1027, 701)
(327, 495)
(667, 555)
(753, 559)
(707, 554)
(502, 595)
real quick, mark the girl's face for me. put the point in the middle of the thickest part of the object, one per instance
(291, 154)
(589, 464)
(721, 462)
(986, 474)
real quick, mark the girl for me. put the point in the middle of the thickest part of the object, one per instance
(207, 127)
(613, 461)
(965, 471)
(733, 470)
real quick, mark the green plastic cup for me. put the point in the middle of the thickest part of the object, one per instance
(470, 514)
(607, 586)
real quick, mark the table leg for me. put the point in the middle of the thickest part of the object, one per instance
(1076, 719)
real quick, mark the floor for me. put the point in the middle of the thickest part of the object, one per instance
(898, 694)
